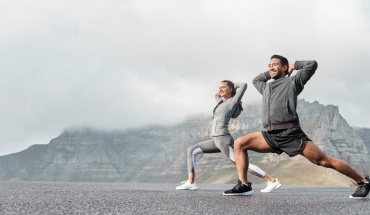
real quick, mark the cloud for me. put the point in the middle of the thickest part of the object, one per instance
(122, 64)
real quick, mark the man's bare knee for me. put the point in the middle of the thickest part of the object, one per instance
(238, 144)
(241, 143)
(323, 161)
(317, 156)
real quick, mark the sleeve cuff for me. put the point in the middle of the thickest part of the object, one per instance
(267, 75)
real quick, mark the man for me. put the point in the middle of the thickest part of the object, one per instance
(283, 132)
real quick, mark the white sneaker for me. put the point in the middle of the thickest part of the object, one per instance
(187, 186)
(271, 186)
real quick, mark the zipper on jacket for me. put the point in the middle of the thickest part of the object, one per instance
(268, 103)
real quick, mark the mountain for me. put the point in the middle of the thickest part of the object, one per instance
(157, 153)
(365, 135)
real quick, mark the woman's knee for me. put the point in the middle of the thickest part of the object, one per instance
(191, 150)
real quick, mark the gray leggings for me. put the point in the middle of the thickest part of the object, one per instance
(224, 144)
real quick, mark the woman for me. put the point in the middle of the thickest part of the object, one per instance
(228, 106)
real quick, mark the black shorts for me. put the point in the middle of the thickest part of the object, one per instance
(291, 141)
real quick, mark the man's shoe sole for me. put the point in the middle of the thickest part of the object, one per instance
(239, 194)
(351, 197)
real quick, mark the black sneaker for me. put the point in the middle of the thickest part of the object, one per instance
(240, 190)
(362, 189)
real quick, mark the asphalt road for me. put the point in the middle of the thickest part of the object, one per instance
(121, 198)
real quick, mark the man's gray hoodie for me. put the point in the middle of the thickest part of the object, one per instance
(279, 97)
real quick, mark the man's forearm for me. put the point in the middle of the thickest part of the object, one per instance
(260, 81)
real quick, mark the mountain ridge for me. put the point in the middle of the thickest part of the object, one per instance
(158, 153)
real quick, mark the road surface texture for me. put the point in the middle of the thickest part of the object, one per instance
(122, 198)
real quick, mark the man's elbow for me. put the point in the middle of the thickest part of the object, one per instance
(314, 65)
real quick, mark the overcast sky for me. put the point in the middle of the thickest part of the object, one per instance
(130, 63)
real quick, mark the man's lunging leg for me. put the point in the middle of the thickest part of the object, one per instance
(255, 142)
(318, 157)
